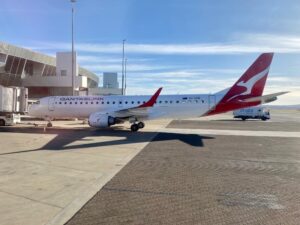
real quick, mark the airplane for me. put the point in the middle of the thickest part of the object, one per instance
(105, 111)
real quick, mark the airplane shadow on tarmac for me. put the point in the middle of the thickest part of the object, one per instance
(64, 137)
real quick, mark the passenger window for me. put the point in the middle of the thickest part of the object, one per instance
(120, 102)
(132, 102)
(144, 102)
(60, 103)
(70, 103)
(107, 102)
(97, 103)
(171, 102)
(102, 103)
(166, 102)
(177, 101)
(65, 102)
(81, 103)
(126, 102)
(86, 103)
(159, 102)
(114, 102)
(138, 102)
(76, 103)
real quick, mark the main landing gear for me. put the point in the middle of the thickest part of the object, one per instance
(136, 126)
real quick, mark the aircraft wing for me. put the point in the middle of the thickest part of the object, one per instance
(264, 98)
(138, 111)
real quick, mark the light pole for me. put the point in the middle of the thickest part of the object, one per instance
(73, 2)
(125, 82)
(123, 55)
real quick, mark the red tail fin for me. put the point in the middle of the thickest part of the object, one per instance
(251, 84)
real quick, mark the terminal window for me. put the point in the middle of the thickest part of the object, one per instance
(63, 72)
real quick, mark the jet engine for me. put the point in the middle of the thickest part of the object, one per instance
(101, 120)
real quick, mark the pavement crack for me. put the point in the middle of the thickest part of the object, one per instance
(34, 200)
(144, 192)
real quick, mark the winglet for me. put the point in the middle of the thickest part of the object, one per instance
(152, 100)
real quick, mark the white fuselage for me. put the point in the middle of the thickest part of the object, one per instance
(166, 106)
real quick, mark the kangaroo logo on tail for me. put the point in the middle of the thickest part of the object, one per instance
(250, 83)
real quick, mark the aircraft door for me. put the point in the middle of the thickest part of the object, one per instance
(51, 104)
(212, 101)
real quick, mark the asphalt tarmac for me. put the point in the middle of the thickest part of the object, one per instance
(194, 177)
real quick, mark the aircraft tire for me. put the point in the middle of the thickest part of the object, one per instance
(141, 125)
(134, 127)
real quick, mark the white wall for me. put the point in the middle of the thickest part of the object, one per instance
(104, 91)
(64, 63)
(54, 81)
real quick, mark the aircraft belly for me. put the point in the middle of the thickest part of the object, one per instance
(70, 112)
(177, 112)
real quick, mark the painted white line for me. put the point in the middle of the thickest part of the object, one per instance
(233, 132)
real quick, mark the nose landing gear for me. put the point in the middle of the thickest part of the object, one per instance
(49, 119)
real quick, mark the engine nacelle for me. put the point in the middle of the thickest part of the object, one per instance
(101, 120)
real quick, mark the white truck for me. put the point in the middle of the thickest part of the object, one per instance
(13, 103)
(258, 112)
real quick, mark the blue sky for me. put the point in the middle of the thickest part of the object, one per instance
(186, 46)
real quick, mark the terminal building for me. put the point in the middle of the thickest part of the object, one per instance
(44, 75)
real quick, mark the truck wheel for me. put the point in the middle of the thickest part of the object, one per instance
(243, 118)
(2, 123)
(263, 118)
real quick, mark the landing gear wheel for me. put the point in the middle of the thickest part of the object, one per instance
(141, 125)
(49, 124)
(134, 127)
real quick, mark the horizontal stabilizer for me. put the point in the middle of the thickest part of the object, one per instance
(265, 98)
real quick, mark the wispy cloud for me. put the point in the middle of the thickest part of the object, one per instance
(159, 49)
(243, 43)
(117, 67)
(107, 59)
